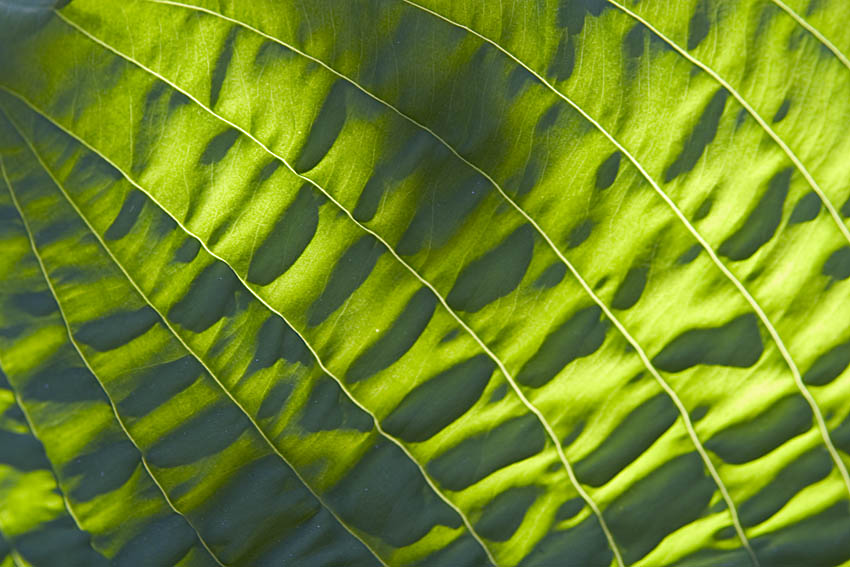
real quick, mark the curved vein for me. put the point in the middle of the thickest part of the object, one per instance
(824, 431)
(752, 112)
(76, 346)
(827, 203)
(191, 351)
(31, 427)
(814, 31)
(525, 401)
(608, 313)
(309, 346)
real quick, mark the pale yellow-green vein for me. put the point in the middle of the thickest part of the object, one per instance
(815, 32)
(268, 306)
(209, 371)
(617, 323)
(700, 239)
(32, 430)
(544, 422)
(88, 366)
(798, 380)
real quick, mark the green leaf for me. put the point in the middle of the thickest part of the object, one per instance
(424, 282)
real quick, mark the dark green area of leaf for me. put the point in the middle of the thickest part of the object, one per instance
(634, 435)
(476, 457)
(218, 147)
(290, 236)
(673, 495)
(265, 516)
(689, 255)
(572, 13)
(102, 470)
(433, 405)
(762, 222)
(188, 250)
(35, 303)
(631, 288)
(206, 433)
(396, 340)
(55, 231)
(403, 163)
(328, 408)
(808, 469)
(393, 500)
(530, 176)
(163, 541)
(841, 435)
(633, 43)
(702, 135)
(606, 174)
(806, 209)
(737, 343)
(274, 400)
(838, 264)
(569, 509)
(278, 341)
(562, 65)
(782, 111)
(698, 413)
(712, 557)
(495, 274)
(698, 27)
(818, 540)
(503, 515)
(59, 543)
(748, 440)
(580, 233)
(441, 213)
(22, 451)
(828, 366)
(348, 274)
(519, 80)
(463, 552)
(118, 329)
(551, 276)
(325, 128)
(583, 544)
(703, 209)
(845, 208)
(211, 296)
(160, 102)
(159, 383)
(127, 216)
(221, 65)
(581, 335)
(62, 382)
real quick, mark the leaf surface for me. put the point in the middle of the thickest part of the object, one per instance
(420, 282)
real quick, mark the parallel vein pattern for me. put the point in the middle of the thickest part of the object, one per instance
(549, 241)
(431, 282)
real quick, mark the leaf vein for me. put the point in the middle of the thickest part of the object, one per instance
(88, 366)
(585, 286)
(815, 32)
(310, 347)
(756, 307)
(700, 239)
(198, 357)
(31, 427)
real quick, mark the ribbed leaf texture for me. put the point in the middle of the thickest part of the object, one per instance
(437, 283)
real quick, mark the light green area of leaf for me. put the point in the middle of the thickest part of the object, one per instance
(424, 282)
